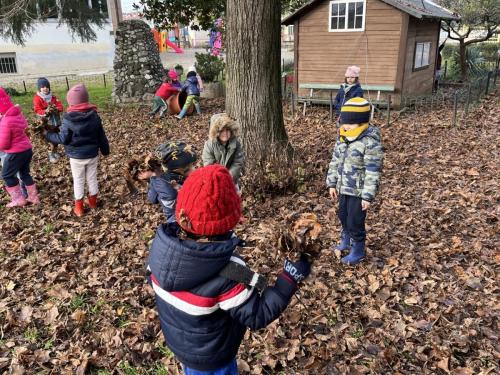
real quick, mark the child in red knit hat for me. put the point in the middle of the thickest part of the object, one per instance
(205, 295)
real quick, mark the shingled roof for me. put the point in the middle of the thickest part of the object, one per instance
(416, 8)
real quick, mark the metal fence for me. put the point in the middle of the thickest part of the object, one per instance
(61, 81)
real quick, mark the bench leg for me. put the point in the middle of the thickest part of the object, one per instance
(304, 110)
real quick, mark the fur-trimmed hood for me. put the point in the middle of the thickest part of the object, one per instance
(223, 121)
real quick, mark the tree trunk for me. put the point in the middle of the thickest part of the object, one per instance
(463, 60)
(253, 95)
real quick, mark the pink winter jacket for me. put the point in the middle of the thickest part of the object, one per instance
(13, 136)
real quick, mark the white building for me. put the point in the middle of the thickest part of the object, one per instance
(52, 50)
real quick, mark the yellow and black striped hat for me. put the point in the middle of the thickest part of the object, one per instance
(355, 111)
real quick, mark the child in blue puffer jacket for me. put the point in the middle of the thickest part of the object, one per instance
(83, 136)
(349, 89)
(192, 88)
(177, 159)
(204, 308)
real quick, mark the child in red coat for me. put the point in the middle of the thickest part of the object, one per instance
(165, 91)
(49, 109)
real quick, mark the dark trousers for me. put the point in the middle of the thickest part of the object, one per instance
(14, 163)
(352, 217)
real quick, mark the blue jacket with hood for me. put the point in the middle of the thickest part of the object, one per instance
(191, 86)
(203, 315)
(344, 94)
(163, 190)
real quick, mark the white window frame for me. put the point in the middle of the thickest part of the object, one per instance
(10, 55)
(422, 51)
(346, 2)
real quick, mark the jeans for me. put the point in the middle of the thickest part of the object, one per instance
(16, 167)
(230, 369)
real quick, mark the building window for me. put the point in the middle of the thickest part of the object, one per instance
(347, 15)
(290, 30)
(8, 63)
(422, 55)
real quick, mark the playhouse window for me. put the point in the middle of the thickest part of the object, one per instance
(8, 63)
(422, 55)
(347, 15)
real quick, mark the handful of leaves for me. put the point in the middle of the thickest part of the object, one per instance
(144, 163)
(301, 238)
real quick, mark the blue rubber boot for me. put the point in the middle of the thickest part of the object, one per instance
(182, 113)
(198, 108)
(345, 242)
(356, 255)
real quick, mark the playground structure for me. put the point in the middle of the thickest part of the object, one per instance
(165, 40)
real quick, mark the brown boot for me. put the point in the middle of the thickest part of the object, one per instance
(93, 201)
(78, 210)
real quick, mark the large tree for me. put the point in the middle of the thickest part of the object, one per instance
(18, 18)
(479, 21)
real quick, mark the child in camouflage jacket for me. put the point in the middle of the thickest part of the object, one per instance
(354, 175)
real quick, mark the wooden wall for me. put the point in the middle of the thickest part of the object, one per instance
(420, 82)
(323, 56)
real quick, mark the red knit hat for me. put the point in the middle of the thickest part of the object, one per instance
(207, 203)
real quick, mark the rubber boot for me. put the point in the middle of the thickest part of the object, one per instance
(78, 209)
(356, 255)
(33, 196)
(93, 201)
(182, 113)
(198, 108)
(345, 242)
(16, 195)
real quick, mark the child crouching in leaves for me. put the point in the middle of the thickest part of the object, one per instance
(83, 137)
(354, 175)
(177, 161)
(204, 305)
(17, 153)
(165, 91)
(223, 146)
(192, 88)
(48, 108)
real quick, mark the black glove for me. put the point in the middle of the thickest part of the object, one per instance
(298, 270)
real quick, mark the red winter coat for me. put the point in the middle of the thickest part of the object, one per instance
(40, 105)
(13, 137)
(166, 90)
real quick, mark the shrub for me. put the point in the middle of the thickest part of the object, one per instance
(208, 66)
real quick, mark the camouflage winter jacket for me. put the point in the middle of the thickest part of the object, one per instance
(356, 166)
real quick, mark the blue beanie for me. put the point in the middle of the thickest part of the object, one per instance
(42, 82)
(355, 111)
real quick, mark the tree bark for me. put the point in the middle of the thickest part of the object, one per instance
(253, 94)
(463, 60)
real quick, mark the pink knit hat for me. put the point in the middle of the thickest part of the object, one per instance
(77, 95)
(353, 71)
(172, 74)
(5, 102)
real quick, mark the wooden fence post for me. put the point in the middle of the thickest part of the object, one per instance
(455, 105)
(445, 68)
(467, 101)
(67, 82)
(24, 84)
(488, 83)
(292, 100)
(331, 105)
(388, 109)
(104, 79)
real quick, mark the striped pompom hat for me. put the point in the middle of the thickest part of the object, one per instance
(355, 111)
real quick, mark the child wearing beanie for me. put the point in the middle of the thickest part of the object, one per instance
(165, 91)
(223, 146)
(204, 310)
(83, 136)
(200, 81)
(18, 153)
(349, 89)
(177, 159)
(192, 88)
(48, 108)
(354, 175)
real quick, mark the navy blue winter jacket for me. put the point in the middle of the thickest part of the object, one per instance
(355, 92)
(82, 135)
(191, 86)
(163, 190)
(203, 315)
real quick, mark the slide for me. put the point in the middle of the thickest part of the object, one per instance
(173, 46)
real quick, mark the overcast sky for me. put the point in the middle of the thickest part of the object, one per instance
(127, 6)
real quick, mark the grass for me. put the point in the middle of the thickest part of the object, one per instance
(99, 95)
(32, 335)
(78, 301)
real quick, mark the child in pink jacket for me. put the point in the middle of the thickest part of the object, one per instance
(17, 146)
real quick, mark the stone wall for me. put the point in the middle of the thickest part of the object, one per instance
(137, 66)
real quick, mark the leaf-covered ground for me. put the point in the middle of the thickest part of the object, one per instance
(73, 297)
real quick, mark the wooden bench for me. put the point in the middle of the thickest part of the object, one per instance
(331, 87)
